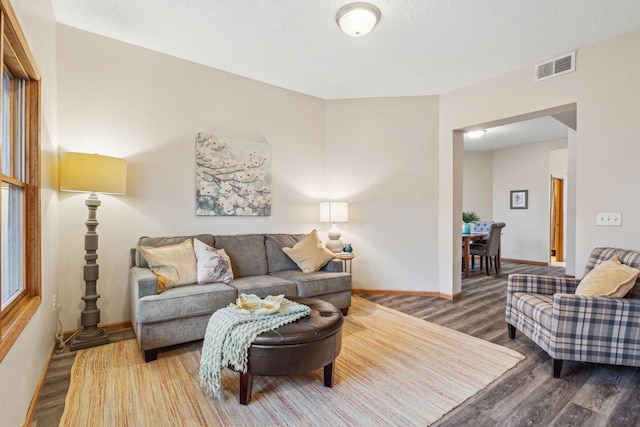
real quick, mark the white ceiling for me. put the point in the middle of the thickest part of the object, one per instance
(420, 47)
(521, 133)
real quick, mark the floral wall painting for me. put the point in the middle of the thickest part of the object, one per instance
(233, 177)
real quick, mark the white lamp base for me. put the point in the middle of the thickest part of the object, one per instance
(334, 244)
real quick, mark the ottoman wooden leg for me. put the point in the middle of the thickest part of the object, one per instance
(328, 375)
(246, 384)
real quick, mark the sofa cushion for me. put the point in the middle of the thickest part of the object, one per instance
(309, 254)
(264, 286)
(316, 283)
(154, 242)
(610, 278)
(247, 252)
(213, 265)
(184, 301)
(276, 258)
(174, 265)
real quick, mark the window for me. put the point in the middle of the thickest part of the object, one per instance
(20, 202)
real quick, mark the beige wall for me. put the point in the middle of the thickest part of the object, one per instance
(121, 100)
(22, 367)
(606, 89)
(378, 157)
(381, 158)
(526, 234)
(477, 184)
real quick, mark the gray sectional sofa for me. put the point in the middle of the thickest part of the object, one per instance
(180, 314)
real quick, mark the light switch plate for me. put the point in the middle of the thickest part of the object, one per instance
(609, 218)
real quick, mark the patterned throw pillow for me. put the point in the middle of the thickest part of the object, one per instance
(213, 265)
(610, 278)
(309, 254)
(173, 265)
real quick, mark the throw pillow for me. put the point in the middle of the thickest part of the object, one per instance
(309, 254)
(213, 265)
(610, 278)
(173, 265)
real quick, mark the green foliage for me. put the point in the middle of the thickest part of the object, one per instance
(468, 217)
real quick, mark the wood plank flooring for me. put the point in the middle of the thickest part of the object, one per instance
(528, 395)
(56, 383)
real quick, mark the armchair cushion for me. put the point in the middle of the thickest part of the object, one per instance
(610, 278)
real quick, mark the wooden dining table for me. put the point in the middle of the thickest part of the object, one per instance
(466, 251)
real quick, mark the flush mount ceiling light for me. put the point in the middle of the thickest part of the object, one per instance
(357, 19)
(474, 134)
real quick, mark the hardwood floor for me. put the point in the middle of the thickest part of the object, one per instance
(528, 395)
(56, 383)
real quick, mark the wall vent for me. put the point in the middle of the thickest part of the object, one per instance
(555, 67)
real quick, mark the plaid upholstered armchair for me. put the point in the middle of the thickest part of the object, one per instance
(596, 329)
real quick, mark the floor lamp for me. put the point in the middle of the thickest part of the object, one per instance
(91, 173)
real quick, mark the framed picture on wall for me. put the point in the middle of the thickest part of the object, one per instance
(519, 199)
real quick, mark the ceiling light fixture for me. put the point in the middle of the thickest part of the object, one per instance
(474, 134)
(357, 19)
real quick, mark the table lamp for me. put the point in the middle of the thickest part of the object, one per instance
(91, 173)
(334, 212)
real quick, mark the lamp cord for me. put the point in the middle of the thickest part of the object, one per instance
(60, 341)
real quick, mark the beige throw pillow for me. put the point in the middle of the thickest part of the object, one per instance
(174, 265)
(610, 278)
(309, 254)
(213, 265)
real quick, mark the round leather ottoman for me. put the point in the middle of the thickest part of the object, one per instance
(307, 344)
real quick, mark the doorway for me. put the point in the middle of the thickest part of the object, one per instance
(556, 222)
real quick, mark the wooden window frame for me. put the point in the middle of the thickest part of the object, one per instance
(17, 57)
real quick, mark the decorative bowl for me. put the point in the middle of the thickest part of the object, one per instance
(253, 304)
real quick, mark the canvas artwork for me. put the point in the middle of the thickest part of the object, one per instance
(233, 177)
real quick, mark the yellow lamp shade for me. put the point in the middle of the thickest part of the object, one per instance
(92, 173)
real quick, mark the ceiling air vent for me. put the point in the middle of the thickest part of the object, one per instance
(556, 67)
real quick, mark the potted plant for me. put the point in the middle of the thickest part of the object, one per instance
(467, 219)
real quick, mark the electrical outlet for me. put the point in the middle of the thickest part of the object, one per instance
(55, 303)
(609, 219)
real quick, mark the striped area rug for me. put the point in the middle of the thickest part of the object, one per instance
(394, 369)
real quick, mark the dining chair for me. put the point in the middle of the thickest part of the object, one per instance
(490, 249)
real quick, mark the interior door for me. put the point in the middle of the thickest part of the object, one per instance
(556, 238)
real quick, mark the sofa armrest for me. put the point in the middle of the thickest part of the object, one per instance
(142, 282)
(536, 284)
(334, 266)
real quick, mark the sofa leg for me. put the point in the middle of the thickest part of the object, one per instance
(150, 355)
(557, 367)
(512, 331)
(344, 311)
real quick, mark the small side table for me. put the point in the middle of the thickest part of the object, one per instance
(346, 258)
